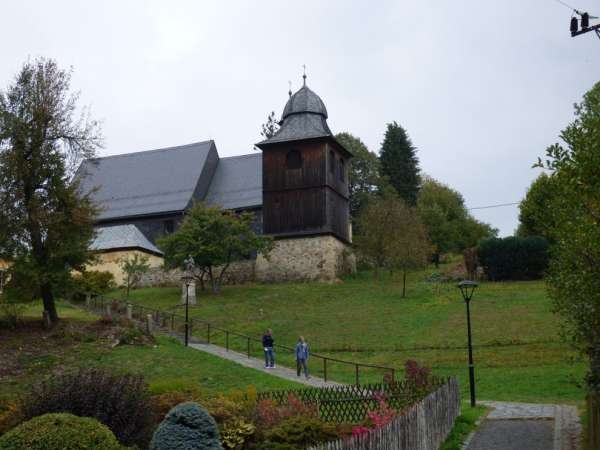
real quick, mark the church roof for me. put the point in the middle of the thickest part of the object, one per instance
(122, 237)
(237, 182)
(304, 117)
(149, 182)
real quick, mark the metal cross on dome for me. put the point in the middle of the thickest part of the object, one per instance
(304, 75)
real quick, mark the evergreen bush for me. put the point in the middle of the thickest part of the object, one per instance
(513, 258)
(188, 426)
(60, 432)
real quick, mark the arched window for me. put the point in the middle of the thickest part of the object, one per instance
(342, 170)
(293, 160)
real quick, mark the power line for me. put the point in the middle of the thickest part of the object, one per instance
(494, 206)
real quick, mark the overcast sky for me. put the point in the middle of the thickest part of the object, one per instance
(482, 87)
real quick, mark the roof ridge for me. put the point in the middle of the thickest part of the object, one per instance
(247, 155)
(156, 150)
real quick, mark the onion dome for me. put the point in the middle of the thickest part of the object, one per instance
(304, 101)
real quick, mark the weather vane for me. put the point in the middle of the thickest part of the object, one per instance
(304, 75)
(290, 90)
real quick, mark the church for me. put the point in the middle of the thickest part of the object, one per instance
(296, 186)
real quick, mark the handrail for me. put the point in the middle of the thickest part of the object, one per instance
(212, 328)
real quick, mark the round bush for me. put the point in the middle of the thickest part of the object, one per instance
(188, 426)
(60, 432)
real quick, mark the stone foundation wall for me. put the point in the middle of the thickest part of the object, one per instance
(317, 258)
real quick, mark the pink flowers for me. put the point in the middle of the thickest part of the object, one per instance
(377, 418)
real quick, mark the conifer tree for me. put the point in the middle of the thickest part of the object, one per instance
(399, 163)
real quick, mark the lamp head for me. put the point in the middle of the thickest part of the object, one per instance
(467, 288)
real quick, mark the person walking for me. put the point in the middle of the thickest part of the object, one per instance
(268, 343)
(302, 356)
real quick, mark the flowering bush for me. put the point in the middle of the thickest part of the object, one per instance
(417, 376)
(377, 418)
(269, 414)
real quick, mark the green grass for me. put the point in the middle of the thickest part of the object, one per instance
(518, 353)
(166, 365)
(464, 425)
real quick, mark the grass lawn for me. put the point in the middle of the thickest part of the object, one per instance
(31, 352)
(518, 353)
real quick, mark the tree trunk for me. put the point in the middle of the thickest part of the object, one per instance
(49, 305)
(436, 260)
(403, 283)
(594, 375)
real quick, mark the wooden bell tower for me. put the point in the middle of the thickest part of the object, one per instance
(305, 173)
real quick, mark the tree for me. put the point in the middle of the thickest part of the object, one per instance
(536, 218)
(399, 163)
(364, 178)
(270, 127)
(392, 236)
(133, 268)
(449, 225)
(214, 239)
(574, 274)
(47, 224)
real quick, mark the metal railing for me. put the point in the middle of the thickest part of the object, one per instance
(175, 323)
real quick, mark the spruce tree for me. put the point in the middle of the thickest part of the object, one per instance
(399, 163)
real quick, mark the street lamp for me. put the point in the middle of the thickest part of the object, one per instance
(187, 278)
(467, 288)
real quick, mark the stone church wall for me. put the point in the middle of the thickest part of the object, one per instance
(316, 258)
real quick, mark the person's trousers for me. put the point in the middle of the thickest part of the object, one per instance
(301, 365)
(269, 357)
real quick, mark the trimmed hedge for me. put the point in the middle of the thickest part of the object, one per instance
(60, 432)
(513, 258)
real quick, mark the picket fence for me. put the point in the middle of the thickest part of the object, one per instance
(423, 426)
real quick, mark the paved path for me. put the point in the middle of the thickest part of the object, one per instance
(259, 364)
(527, 426)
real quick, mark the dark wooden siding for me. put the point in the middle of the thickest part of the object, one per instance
(307, 200)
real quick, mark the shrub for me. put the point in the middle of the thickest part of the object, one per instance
(236, 433)
(91, 282)
(10, 416)
(188, 426)
(121, 402)
(60, 432)
(269, 414)
(513, 258)
(418, 377)
(11, 312)
(300, 432)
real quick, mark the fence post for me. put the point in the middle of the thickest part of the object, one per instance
(248, 347)
(357, 380)
(149, 321)
(227, 340)
(108, 311)
(88, 300)
(208, 333)
(325, 369)
(129, 311)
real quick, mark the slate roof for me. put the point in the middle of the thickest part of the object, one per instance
(122, 237)
(149, 182)
(304, 117)
(237, 182)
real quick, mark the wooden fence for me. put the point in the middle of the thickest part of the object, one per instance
(350, 403)
(423, 426)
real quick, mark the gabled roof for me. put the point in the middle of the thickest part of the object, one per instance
(122, 237)
(237, 182)
(149, 182)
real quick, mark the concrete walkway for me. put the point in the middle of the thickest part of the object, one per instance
(527, 426)
(259, 364)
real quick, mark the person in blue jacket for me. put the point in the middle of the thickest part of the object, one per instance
(302, 356)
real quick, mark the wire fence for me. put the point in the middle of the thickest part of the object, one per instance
(200, 331)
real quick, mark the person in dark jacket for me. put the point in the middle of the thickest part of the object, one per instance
(302, 356)
(268, 343)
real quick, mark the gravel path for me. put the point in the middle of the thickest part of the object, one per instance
(527, 426)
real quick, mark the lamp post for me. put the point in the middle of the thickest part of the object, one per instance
(187, 278)
(467, 288)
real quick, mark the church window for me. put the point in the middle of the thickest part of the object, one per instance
(342, 170)
(294, 160)
(168, 226)
(331, 161)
